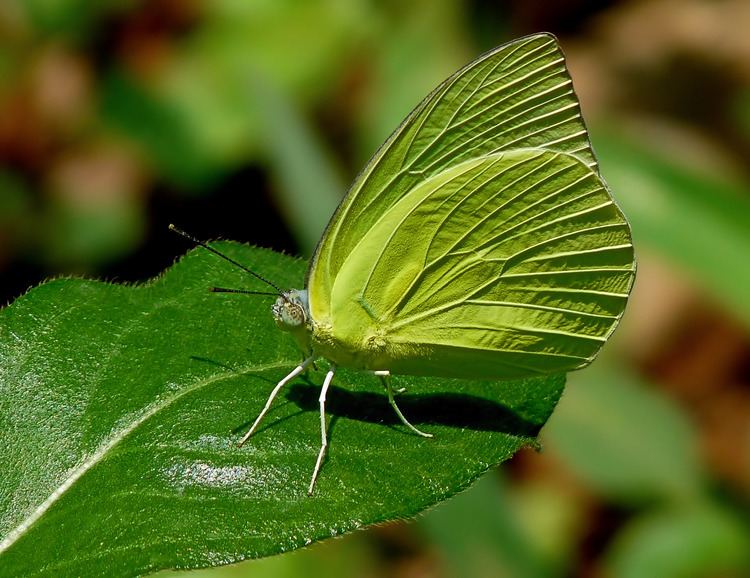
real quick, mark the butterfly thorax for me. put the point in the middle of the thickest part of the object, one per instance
(369, 349)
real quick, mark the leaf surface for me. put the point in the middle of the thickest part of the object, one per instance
(121, 406)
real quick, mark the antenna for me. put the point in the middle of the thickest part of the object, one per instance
(242, 291)
(233, 262)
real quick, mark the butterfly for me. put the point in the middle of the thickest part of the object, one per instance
(480, 241)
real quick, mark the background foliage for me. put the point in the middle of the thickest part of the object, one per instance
(247, 120)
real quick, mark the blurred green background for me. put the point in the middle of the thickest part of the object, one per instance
(247, 119)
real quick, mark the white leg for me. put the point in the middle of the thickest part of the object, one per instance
(323, 438)
(382, 372)
(294, 373)
(385, 378)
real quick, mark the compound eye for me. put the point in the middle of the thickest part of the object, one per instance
(288, 312)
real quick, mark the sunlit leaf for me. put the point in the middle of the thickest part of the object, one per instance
(121, 408)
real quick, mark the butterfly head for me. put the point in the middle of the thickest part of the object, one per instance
(291, 310)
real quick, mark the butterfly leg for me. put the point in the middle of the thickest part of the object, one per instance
(383, 372)
(385, 378)
(294, 373)
(304, 358)
(323, 438)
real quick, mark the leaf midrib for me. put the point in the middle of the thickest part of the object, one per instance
(76, 473)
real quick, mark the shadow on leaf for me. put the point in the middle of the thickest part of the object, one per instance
(450, 409)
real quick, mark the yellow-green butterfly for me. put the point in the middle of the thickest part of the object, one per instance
(479, 242)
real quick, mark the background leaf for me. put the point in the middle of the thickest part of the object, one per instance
(121, 407)
(700, 540)
(624, 439)
(667, 203)
(310, 186)
(490, 528)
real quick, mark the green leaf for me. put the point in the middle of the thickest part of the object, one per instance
(688, 542)
(332, 559)
(121, 406)
(310, 187)
(626, 440)
(162, 133)
(698, 221)
(477, 534)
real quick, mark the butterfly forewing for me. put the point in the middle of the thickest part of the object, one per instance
(517, 95)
